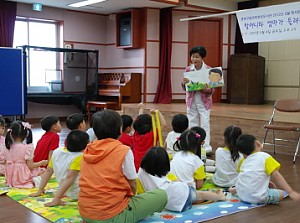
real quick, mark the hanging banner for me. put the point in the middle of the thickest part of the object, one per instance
(272, 23)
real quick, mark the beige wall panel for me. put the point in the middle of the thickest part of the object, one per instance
(284, 50)
(176, 79)
(152, 54)
(272, 94)
(180, 29)
(225, 59)
(179, 55)
(233, 28)
(152, 80)
(263, 49)
(283, 73)
(225, 29)
(150, 98)
(111, 29)
(153, 24)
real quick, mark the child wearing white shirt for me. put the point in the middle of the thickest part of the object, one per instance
(180, 123)
(186, 165)
(253, 181)
(153, 174)
(228, 159)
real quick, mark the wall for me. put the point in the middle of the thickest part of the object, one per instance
(92, 31)
(282, 77)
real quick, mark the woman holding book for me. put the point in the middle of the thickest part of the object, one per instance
(199, 102)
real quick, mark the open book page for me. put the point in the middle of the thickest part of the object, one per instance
(212, 77)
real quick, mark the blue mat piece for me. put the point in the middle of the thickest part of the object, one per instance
(203, 212)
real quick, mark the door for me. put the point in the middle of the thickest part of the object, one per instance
(208, 33)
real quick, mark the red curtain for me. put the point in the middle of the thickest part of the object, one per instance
(164, 89)
(8, 11)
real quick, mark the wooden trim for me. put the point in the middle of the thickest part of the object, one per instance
(178, 68)
(205, 8)
(178, 101)
(145, 57)
(281, 86)
(89, 43)
(167, 2)
(92, 13)
(118, 68)
(181, 42)
(152, 41)
(152, 67)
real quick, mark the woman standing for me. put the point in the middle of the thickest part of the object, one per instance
(199, 102)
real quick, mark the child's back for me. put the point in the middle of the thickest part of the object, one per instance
(19, 169)
(187, 166)
(180, 123)
(49, 141)
(228, 159)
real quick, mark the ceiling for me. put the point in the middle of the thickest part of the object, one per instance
(108, 7)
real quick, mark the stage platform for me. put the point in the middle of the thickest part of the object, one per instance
(250, 118)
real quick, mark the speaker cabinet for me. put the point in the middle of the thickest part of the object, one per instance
(246, 79)
(127, 28)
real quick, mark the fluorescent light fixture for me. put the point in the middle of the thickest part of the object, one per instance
(84, 3)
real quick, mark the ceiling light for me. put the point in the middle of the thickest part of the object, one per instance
(84, 3)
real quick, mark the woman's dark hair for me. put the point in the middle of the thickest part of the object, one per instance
(202, 134)
(74, 120)
(180, 123)
(231, 134)
(107, 124)
(156, 162)
(246, 144)
(143, 124)
(188, 141)
(126, 121)
(77, 140)
(198, 49)
(17, 130)
(48, 121)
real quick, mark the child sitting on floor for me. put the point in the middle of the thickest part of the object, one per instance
(153, 175)
(228, 159)
(186, 165)
(65, 164)
(126, 137)
(255, 173)
(108, 178)
(209, 164)
(180, 123)
(49, 141)
(143, 137)
(76, 121)
(20, 170)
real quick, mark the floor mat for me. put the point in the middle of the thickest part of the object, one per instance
(69, 213)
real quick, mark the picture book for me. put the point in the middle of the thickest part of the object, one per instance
(212, 77)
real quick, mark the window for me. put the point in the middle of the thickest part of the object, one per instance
(38, 33)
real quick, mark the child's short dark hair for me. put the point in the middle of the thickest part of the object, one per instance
(246, 144)
(143, 124)
(188, 141)
(198, 49)
(77, 140)
(156, 162)
(180, 123)
(107, 124)
(74, 120)
(215, 70)
(48, 121)
(2, 122)
(126, 121)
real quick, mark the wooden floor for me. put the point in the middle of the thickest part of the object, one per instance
(248, 116)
